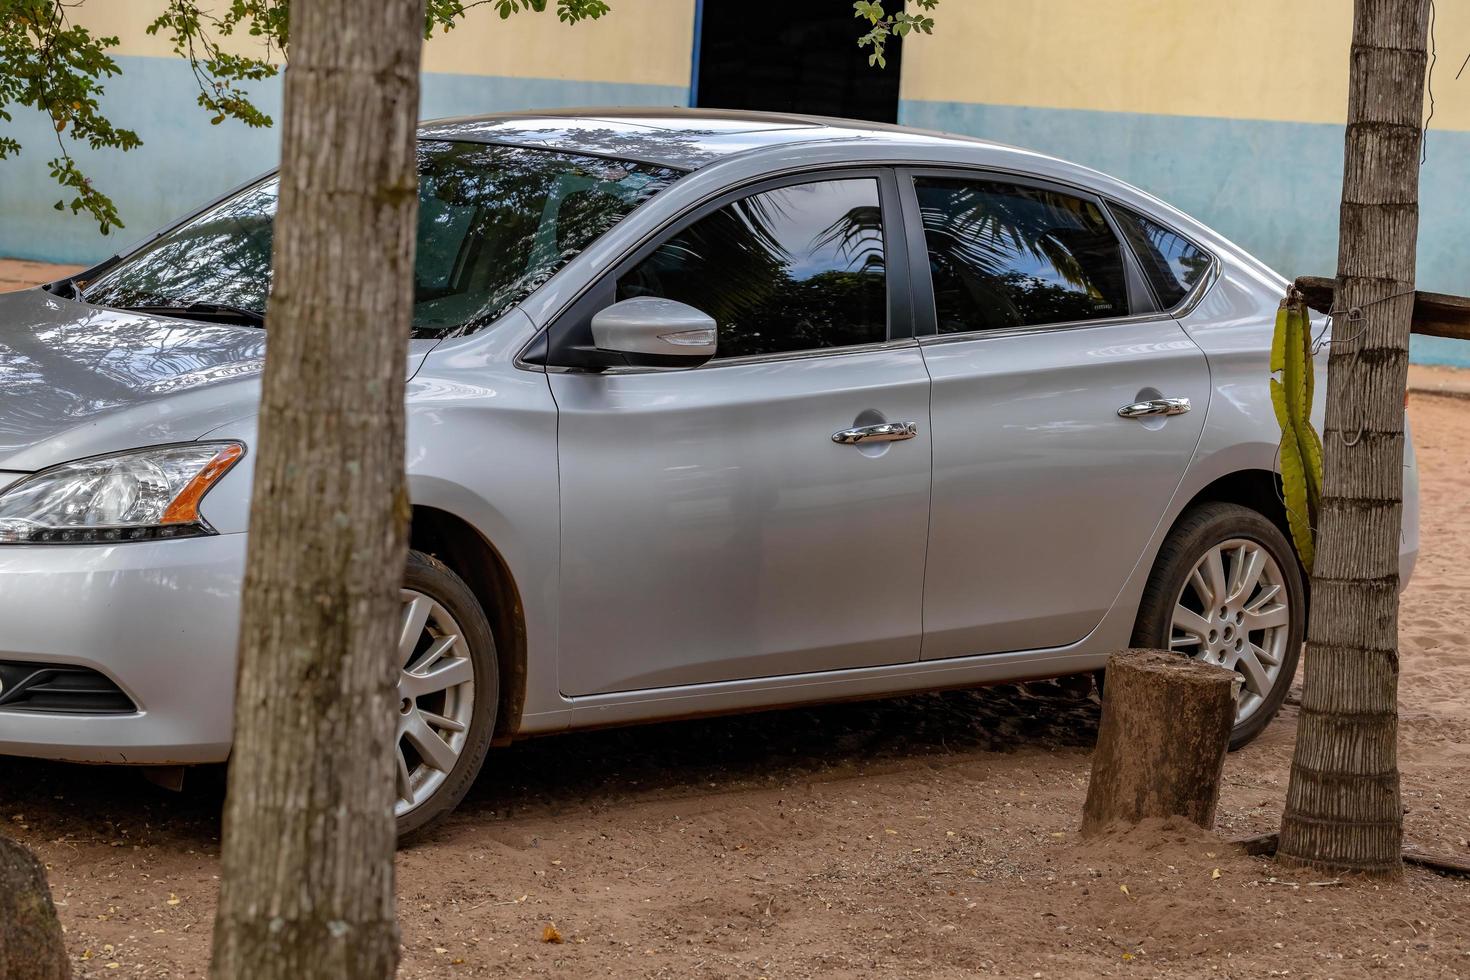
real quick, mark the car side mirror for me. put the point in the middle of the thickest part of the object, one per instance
(647, 331)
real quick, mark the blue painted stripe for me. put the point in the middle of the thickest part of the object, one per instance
(1439, 350)
(185, 162)
(1274, 188)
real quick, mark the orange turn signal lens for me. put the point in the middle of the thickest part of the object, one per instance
(184, 508)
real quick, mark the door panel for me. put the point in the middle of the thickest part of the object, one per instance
(1043, 496)
(713, 530)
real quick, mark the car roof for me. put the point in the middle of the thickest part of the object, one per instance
(685, 139)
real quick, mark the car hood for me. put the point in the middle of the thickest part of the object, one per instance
(79, 380)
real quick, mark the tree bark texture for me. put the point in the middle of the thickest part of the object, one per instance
(1161, 745)
(31, 946)
(1342, 804)
(309, 833)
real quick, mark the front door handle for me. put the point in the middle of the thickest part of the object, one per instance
(882, 432)
(1155, 406)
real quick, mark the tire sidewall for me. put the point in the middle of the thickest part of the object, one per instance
(1196, 532)
(431, 577)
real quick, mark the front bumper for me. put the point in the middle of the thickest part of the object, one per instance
(160, 619)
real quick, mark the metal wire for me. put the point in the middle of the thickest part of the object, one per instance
(1429, 89)
(1353, 313)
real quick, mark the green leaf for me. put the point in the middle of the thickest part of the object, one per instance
(1291, 401)
(1278, 341)
(1294, 487)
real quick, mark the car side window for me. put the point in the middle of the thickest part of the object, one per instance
(1005, 255)
(791, 269)
(1172, 263)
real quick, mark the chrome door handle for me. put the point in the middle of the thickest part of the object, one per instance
(882, 432)
(1155, 406)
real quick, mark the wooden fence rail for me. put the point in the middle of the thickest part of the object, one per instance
(1435, 314)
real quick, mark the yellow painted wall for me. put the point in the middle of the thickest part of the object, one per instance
(1237, 59)
(647, 42)
(640, 41)
(1282, 60)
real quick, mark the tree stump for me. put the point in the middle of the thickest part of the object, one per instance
(31, 947)
(1161, 745)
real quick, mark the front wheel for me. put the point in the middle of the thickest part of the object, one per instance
(1226, 589)
(448, 692)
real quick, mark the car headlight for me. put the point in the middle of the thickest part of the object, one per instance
(139, 495)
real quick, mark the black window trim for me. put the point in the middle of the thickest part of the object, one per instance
(1196, 292)
(549, 349)
(925, 315)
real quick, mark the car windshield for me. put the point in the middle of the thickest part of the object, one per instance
(494, 223)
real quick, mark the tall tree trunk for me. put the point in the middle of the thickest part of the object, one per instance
(1342, 805)
(309, 832)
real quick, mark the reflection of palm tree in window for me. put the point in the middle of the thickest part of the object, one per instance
(1003, 256)
(989, 230)
(1195, 264)
(858, 234)
(1172, 263)
(777, 271)
(726, 264)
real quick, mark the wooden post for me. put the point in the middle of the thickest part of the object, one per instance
(31, 947)
(1161, 746)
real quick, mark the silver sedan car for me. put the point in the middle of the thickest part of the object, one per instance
(707, 412)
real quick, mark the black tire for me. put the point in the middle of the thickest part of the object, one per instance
(1198, 530)
(429, 576)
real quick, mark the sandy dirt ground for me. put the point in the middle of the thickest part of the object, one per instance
(927, 836)
(18, 273)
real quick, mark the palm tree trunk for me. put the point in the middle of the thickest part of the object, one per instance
(309, 834)
(1342, 805)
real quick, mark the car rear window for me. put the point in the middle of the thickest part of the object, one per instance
(1172, 263)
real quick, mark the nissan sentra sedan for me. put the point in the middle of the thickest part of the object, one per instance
(707, 412)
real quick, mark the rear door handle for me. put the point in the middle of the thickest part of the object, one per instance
(882, 432)
(1155, 406)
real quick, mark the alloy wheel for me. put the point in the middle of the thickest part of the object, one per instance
(1234, 611)
(436, 699)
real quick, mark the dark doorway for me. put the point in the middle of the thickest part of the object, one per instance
(808, 63)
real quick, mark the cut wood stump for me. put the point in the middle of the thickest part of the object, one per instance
(31, 947)
(1162, 741)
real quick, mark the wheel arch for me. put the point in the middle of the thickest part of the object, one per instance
(458, 544)
(1258, 489)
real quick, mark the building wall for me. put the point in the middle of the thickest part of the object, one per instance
(638, 55)
(1233, 112)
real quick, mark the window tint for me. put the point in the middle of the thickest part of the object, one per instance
(796, 268)
(1172, 262)
(494, 223)
(1002, 255)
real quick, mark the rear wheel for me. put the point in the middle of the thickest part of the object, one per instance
(448, 693)
(1226, 589)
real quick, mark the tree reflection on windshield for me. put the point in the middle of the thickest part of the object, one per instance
(495, 222)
